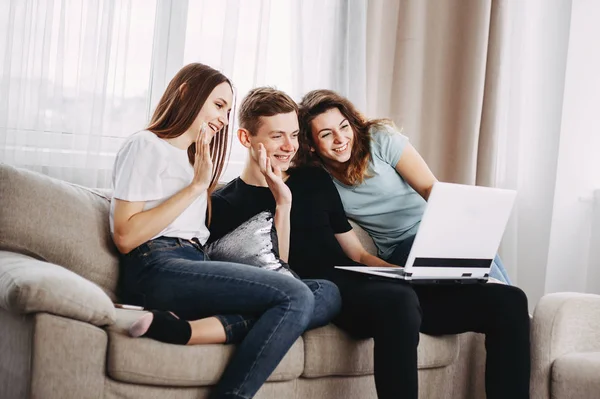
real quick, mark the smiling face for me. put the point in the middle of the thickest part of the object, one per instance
(279, 135)
(333, 137)
(215, 111)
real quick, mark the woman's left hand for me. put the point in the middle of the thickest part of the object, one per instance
(280, 190)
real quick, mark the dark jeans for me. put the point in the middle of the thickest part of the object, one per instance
(328, 303)
(171, 274)
(393, 313)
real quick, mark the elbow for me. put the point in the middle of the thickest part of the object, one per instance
(122, 243)
(427, 192)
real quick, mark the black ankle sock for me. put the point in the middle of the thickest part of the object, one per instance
(167, 328)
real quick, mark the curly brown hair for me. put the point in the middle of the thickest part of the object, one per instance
(317, 102)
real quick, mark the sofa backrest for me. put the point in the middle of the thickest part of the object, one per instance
(66, 224)
(58, 222)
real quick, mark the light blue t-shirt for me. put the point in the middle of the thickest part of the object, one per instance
(385, 205)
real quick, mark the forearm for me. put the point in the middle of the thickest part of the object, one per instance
(372, 260)
(144, 225)
(282, 225)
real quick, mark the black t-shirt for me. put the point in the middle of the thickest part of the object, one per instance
(317, 215)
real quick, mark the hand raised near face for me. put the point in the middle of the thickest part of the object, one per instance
(203, 164)
(281, 192)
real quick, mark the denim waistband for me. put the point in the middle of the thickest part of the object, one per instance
(195, 242)
(164, 241)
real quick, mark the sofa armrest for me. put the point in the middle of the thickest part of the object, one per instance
(29, 285)
(562, 323)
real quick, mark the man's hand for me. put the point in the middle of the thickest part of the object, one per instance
(281, 192)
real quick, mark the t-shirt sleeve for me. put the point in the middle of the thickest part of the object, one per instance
(389, 144)
(137, 173)
(337, 215)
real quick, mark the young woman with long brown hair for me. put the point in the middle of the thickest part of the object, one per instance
(162, 180)
(383, 184)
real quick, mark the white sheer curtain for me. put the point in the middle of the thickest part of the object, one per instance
(79, 76)
(74, 82)
(549, 149)
(329, 48)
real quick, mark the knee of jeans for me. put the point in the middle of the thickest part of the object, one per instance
(301, 300)
(330, 294)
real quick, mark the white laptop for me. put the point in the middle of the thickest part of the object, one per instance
(458, 237)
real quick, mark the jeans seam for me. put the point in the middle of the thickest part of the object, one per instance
(319, 287)
(224, 277)
(231, 325)
(228, 327)
(225, 328)
(260, 352)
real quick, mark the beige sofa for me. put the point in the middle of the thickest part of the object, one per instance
(566, 347)
(61, 337)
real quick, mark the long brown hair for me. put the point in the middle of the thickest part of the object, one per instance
(178, 108)
(313, 104)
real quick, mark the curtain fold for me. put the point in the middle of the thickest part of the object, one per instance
(497, 93)
(427, 71)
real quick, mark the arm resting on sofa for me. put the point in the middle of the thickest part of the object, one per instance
(562, 323)
(28, 285)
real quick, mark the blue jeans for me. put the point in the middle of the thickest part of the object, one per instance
(499, 271)
(328, 303)
(400, 255)
(173, 274)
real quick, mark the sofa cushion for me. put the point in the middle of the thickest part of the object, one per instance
(364, 238)
(57, 222)
(28, 285)
(329, 351)
(146, 361)
(576, 376)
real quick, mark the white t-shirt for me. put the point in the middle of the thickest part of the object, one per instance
(148, 168)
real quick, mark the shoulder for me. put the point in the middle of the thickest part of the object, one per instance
(144, 137)
(384, 130)
(227, 188)
(143, 142)
(230, 191)
(387, 142)
(142, 151)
